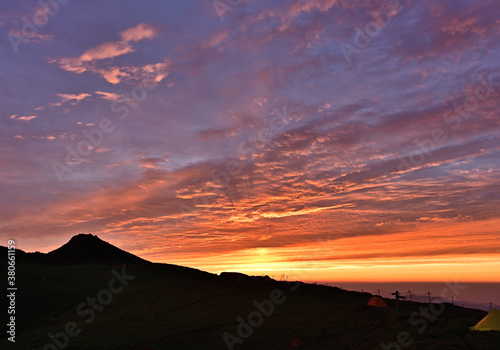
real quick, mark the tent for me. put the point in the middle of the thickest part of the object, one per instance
(490, 322)
(377, 302)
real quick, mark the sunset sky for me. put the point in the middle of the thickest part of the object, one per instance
(319, 139)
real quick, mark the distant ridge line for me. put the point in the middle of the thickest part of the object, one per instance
(84, 249)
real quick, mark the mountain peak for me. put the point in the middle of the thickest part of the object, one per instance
(90, 249)
(85, 237)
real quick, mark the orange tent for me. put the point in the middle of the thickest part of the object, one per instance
(377, 302)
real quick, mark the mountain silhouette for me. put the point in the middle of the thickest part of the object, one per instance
(86, 249)
(179, 307)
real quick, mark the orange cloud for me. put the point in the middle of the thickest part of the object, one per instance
(25, 118)
(106, 50)
(90, 59)
(110, 96)
(76, 97)
(140, 32)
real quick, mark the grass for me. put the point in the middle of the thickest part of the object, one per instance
(170, 307)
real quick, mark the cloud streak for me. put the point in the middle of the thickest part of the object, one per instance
(90, 59)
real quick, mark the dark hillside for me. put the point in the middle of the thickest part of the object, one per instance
(148, 306)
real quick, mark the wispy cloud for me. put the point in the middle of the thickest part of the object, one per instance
(109, 96)
(76, 98)
(140, 32)
(24, 118)
(89, 60)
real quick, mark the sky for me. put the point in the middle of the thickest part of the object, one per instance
(308, 139)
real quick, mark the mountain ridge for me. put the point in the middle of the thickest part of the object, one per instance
(83, 249)
(184, 308)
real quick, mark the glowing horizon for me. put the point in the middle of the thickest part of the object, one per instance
(330, 260)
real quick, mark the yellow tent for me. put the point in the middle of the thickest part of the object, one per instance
(377, 302)
(490, 322)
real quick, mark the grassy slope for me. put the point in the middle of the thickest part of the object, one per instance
(168, 307)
